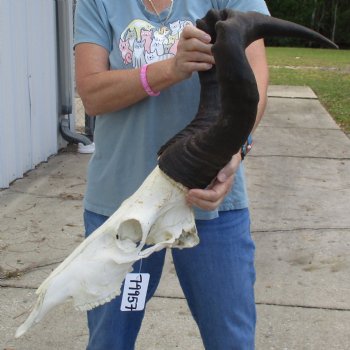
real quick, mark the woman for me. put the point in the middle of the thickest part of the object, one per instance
(127, 52)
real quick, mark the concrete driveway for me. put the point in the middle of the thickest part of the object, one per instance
(299, 184)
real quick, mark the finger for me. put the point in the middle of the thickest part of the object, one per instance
(195, 45)
(193, 32)
(208, 206)
(194, 61)
(214, 194)
(210, 198)
(203, 203)
(202, 57)
(230, 168)
(225, 173)
(197, 66)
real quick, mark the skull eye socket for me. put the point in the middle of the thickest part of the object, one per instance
(130, 230)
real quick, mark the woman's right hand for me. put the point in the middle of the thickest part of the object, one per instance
(103, 90)
(193, 53)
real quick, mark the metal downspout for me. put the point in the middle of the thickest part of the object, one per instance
(64, 19)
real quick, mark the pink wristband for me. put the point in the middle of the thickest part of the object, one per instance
(144, 82)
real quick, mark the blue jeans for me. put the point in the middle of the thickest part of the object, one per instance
(217, 278)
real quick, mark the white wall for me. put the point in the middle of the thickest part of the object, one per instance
(28, 86)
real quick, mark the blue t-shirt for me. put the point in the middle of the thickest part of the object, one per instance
(127, 141)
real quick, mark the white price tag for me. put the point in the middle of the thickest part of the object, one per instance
(135, 290)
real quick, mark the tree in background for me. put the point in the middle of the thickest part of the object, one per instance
(329, 17)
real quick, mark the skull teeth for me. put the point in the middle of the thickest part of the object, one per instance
(92, 305)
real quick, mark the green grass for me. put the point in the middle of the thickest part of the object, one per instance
(327, 72)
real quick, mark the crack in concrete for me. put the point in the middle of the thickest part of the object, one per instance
(298, 128)
(293, 98)
(13, 286)
(62, 196)
(14, 273)
(272, 304)
(298, 157)
(303, 229)
(327, 308)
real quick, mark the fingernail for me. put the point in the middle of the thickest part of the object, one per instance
(222, 177)
(207, 37)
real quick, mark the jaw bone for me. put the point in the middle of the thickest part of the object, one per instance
(156, 215)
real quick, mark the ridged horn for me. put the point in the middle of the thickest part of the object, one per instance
(229, 97)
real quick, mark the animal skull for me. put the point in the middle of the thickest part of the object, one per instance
(156, 215)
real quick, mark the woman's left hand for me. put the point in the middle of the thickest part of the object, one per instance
(211, 197)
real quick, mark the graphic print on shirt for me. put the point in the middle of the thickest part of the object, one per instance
(143, 43)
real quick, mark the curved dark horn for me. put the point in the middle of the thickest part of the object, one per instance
(263, 26)
(229, 97)
(209, 102)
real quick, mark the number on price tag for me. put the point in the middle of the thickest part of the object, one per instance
(135, 290)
